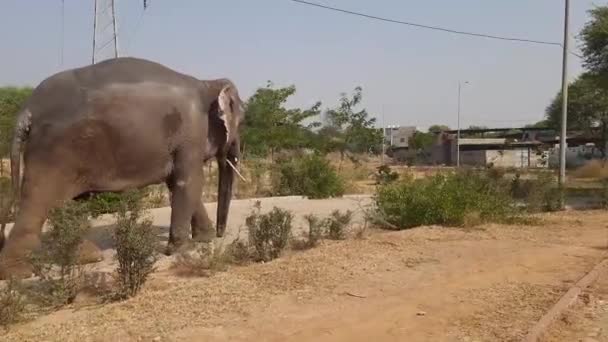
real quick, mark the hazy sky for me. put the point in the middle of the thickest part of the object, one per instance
(407, 73)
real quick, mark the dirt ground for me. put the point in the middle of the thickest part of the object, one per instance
(587, 319)
(489, 283)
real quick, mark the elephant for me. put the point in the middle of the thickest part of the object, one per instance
(116, 125)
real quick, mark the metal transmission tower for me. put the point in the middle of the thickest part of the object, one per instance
(105, 38)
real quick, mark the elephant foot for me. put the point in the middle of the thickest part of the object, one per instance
(89, 253)
(176, 248)
(203, 235)
(17, 269)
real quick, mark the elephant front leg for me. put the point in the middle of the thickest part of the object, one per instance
(202, 227)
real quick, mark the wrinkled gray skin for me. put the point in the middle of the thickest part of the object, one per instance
(121, 124)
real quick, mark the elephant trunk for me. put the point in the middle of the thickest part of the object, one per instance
(226, 178)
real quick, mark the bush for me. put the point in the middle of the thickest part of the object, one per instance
(337, 223)
(313, 235)
(205, 261)
(315, 230)
(59, 247)
(135, 247)
(110, 202)
(540, 194)
(239, 252)
(310, 176)
(445, 199)
(385, 175)
(12, 304)
(268, 233)
(6, 201)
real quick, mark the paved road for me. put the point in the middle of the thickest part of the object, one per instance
(239, 209)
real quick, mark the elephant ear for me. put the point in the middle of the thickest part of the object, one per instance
(230, 111)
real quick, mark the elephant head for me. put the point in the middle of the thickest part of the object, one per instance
(225, 117)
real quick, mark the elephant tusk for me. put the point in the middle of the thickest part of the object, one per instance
(237, 171)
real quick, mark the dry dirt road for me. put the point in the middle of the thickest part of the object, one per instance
(491, 283)
(587, 319)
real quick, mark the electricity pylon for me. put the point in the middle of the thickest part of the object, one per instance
(105, 38)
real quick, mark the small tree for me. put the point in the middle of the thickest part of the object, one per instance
(351, 130)
(272, 127)
(594, 37)
(135, 246)
(67, 227)
(587, 109)
(438, 128)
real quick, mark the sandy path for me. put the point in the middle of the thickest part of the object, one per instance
(424, 284)
(587, 319)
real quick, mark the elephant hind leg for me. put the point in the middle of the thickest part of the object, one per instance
(38, 197)
(185, 185)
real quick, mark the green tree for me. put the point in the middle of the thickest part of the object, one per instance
(11, 100)
(349, 129)
(270, 127)
(421, 140)
(587, 109)
(594, 37)
(540, 124)
(438, 128)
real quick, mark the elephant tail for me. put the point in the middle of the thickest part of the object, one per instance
(20, 135)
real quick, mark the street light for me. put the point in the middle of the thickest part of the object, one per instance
(458, 129)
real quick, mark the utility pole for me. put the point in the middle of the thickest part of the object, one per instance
(94, 30)
(562, 138)
(383, 137)
(62, 33)
(115, 29)
(458, 124)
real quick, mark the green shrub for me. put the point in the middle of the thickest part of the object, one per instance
(110, 202)
(135, 247)
(445, 199)
(12, 304)
(6, 201)
(269, 233)
(56, 261)
(540, 194)
(313, 235)
(336, 224)
(312, 176)
(385, 175)
(315, 230)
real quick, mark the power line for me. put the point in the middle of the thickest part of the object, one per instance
(137, 25)
(429, 27)
(61, 52)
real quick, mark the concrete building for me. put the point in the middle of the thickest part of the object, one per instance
(398, 142)
(499, 152)
(576, 156)
(399, 136)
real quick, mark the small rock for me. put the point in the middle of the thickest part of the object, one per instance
(421, 313)
(156, 339)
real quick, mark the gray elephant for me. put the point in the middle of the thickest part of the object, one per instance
(121, 124)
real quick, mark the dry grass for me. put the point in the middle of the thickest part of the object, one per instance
(12, 304)
(205, 261)
(592, 169)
